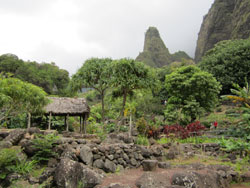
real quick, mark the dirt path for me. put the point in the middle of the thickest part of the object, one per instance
(129, 177)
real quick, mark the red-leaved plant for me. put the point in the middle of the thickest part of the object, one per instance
(179, 131)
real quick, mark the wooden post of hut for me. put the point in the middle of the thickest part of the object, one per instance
(29, 120)
(84, 123)
(80, 124)
(67, 122)
(49, 120)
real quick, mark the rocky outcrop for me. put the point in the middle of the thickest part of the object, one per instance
(226, 19)
(15, 136)
(209, 179)
(71, 174)
(149, 165)
(155, 53)
(86, 155)
(152, 180)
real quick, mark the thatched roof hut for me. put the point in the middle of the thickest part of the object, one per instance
(62, 106)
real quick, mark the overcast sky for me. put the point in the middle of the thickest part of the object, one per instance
(68, 32)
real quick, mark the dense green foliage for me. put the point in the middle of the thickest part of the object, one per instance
(94, 74)
(128, 75)
(44, 144)
(17, 97)
(11, 162)
(235, 145)
(48, 76)
(142, 140)
(191, 92)
(8, 158)
(142, 126)
(229, 62)
(241, 95)
(161, 93)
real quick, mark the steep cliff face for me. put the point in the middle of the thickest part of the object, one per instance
(226, 19)
(155, 53)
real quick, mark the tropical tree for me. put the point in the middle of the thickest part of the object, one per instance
(18, 97)
(229, 62)
(10, 63)
(240, 94)
(46, 75)
(128, 75)
(94, 74)
(191, 92)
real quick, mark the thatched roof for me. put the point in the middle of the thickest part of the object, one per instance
(63, 106)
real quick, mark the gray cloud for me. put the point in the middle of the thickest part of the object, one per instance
(68, 32)
(23, 6)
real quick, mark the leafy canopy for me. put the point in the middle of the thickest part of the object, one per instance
(46, 75)
(191, 92)
(128, 75)
(94, 73)
(18, 97)
(229, 62)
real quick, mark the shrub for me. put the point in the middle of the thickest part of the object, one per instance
(179, 131)
(44, 144)
(191, 92)
(9, 163)
(24, 167)
(124, 128)
(163, 141)
(93, 127)
(110, 127)
(195, 128)
(8, 159)
(142, 140)
(154, 132)
(142, 126)
(235, 145)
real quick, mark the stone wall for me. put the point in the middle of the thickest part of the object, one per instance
(106, 156)
(84, 158)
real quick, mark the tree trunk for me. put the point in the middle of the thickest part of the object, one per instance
(130, 125)
(123, 104)
(120, 117)
(49, 120)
